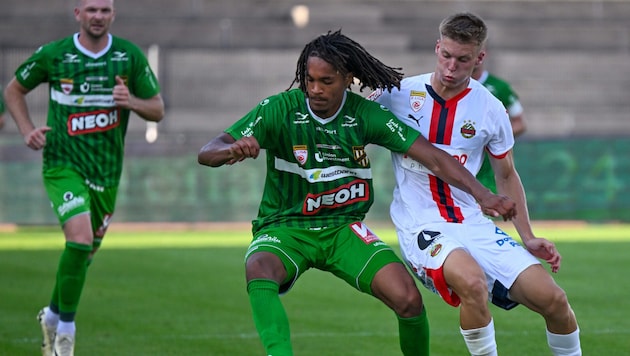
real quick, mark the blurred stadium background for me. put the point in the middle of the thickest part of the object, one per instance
(568, 60)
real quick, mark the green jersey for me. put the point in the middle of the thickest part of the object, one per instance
(504, 92)
(318, 172)
(88, 129)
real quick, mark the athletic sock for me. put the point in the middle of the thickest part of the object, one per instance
(66, 327)
(565, 345)
(414, 334)
(270, 317)
(51, 318)
(481, 342)
(71, 278)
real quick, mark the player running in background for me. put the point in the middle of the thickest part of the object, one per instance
(504, 92)
(319, 187)
(95, 81)
(444, 236)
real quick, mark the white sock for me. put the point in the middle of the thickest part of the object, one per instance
(565, 345)
(481, 342)
(50, 318)
(66, 327)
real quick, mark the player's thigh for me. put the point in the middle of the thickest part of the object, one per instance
(357, 254)
(68, 194)
(502, 259)
(291, 246)
(102, 211)
(536, 289)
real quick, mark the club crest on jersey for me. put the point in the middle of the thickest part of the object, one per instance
(468, 129)
(360, 156)
(301, 153)
(66, 85)
(417, 99)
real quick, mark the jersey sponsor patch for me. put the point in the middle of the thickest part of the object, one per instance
(93, 121)
(364, 233)
(346, 194)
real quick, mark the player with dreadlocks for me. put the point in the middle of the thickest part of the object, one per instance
(318, 188)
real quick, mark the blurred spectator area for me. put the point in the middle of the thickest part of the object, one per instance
(568, 60)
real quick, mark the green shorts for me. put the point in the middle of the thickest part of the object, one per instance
(351, 252)
(70, 195)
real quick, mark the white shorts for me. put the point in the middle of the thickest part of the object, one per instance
(500, 256)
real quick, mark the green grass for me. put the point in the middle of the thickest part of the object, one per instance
(183, 293)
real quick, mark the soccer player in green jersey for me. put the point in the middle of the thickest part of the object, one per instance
(318, 188)
(503, 91)
(95, 80)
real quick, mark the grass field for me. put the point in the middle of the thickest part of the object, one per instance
(182, 292)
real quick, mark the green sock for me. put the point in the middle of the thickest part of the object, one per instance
(70, 278)
(414, 334)
(270, 317)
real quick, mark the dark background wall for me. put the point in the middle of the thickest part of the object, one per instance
(568, 60)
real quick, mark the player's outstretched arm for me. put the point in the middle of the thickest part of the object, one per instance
(453, 173)
(224, 149)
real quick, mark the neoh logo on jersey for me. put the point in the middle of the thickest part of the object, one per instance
(364, 233)
(93, 121)
(350, 193)
(417, 99)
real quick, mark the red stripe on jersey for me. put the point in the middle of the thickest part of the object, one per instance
(443, 117)
(501, 156)
(443, 198)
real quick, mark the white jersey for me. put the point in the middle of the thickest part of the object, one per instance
(463, 126)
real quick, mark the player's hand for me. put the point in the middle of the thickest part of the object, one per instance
(498, 205)
(122, 96)
(246, 147)
(545, 250)
(36, 139)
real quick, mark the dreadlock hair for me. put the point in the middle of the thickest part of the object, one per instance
(347, 56)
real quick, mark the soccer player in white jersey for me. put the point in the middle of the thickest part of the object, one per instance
(447, 241)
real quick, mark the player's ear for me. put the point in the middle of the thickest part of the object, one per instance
(480, 57)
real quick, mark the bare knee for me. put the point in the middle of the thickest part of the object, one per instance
(397, 289)
(265, 265)
(556, 305)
